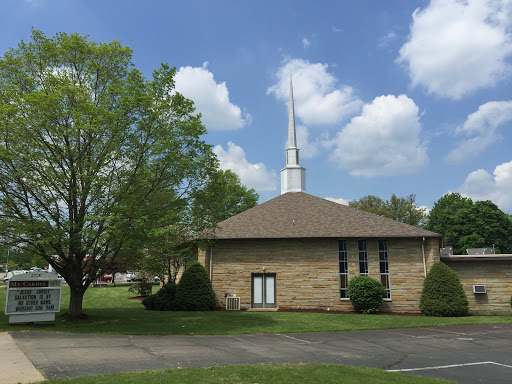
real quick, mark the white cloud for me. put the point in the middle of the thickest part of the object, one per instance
(338, 200)
(456, 47)
(383, 140)
(255, 176)
(318, 97)
(481, 185)
(480, 129)
(210, 99)
(306, 42)
(387, 40)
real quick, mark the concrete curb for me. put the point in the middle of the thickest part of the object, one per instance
(15, 367)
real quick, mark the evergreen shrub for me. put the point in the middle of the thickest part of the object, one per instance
(151, 303)
(443, 294)
(366, 294)
(194, 291)
(164, 300)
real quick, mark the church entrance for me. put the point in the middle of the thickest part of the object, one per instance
(263, 290)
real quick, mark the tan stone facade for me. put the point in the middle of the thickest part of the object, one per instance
(495, 275)
(307, 274)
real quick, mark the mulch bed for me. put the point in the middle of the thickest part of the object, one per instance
(140, 298)
(34, 325)
(319, 310)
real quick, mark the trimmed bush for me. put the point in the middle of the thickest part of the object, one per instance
(443, 294)
(164, 300)
(366, 294)
(142, 288)
(152, 303)
(194, 291)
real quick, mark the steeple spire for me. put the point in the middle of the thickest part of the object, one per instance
(293, 176)
(292, 141)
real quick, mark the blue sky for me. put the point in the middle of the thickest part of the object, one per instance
(404, 97)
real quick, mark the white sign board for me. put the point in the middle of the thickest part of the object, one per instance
(33, 296)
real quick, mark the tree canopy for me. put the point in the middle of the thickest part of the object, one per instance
(402, 209)
(169, 247)
(88, 148)
(467, 224)
(224, 196)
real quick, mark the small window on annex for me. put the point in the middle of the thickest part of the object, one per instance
(343, 267)
(363, 257)
(384, 267)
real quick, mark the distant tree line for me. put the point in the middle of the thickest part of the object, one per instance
(402, 209)
(463, 223)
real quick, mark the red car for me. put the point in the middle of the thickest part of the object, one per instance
(105, 279)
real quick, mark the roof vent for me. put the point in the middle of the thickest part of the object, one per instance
(479, 288)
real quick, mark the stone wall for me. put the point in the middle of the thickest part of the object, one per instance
(307, 270)
(495, 275)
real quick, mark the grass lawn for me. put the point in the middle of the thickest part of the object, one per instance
(111, 311)
(276, 374)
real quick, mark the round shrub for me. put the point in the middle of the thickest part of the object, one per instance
(164, 300)
(167, 296)
(168, 289)
(365, 293)
(194, 291)
(151, 303)
(142, 288)
(443, 294)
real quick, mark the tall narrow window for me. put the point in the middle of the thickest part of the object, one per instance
(343, 266)
(384, 267)
(363, 257)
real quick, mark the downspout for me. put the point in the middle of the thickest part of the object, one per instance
(424, 262)
(211, 263)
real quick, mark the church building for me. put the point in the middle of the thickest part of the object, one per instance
(298, 251)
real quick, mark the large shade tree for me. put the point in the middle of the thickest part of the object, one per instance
(467, 224)
(222, 197)
(88, 146)
(170, 247)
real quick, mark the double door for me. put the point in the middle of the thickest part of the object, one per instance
(263, 290)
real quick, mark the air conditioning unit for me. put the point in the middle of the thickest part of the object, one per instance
(232, 303)
(479, 289)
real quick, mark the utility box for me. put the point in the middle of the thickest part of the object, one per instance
(232, 303)
(479, 288)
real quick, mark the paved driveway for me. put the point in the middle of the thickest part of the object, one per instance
(467, 354)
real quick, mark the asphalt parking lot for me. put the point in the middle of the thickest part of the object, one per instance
(466, 354)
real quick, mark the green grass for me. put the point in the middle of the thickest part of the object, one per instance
(491, 313)
(276, 374)
(110, 311)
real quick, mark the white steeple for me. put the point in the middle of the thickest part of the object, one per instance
(293, 176)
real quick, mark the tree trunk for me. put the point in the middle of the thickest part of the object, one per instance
(75, 302)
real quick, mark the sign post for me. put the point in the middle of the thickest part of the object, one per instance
(32, 297)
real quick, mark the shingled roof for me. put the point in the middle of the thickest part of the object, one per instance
(300, 215)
